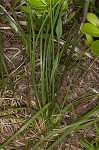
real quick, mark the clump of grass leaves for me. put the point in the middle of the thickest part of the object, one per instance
(94, 144)
(49, 111)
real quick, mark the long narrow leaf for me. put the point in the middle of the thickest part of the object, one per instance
(25, 126)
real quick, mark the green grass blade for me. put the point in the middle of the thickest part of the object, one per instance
(73, 128)
(15, 25)
(87, 146)
(90, 113)
(66, 129)
(42, 65)
(32, 53)
(78, 100)
(25, 126)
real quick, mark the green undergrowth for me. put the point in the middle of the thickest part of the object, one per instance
(44, 30)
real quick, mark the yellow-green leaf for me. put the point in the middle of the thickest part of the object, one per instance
(89, 40)
(90, 29)
(95, 47)
(92, 18)
(37, 4)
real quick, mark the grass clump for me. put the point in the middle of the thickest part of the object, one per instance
(46, 119)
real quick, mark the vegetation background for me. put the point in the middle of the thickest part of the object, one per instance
(49, 95)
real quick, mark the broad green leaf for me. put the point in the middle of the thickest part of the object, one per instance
(95, 47)
(37, 4)
(24, 9)
(89, 40)
(90, 29)
(92, 18)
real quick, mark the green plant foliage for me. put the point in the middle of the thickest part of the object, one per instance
(24, 126)
(88, 145)
(89, 40)
(53, 2)
(79, 3)
(49, 112)
(59, 28)
(94, 144)
(9, 18)
(37, 5)
(90, 29)
(95, 47)
(43, 5)
(92, 18)
(25, 9)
